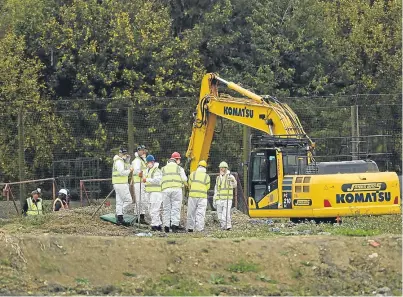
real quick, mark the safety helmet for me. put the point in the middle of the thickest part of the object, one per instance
(141, 147)
(37, 191)
(63, 191)
(150, 158)
(223, 164)
(175, 155)
(203, 163)
(122, 150)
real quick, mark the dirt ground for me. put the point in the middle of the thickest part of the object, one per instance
(71, 254)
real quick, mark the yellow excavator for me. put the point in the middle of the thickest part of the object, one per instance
(284, 180)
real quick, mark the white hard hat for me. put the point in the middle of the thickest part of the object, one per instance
(63, 191)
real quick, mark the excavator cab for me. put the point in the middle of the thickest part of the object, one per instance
(270, 159)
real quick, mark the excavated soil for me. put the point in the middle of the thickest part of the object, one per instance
(70, 253)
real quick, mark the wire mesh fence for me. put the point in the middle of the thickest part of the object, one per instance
(78, 138)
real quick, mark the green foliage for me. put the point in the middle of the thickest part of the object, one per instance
(217, 279)
(82, 281)
(243, 266)
(134, 50)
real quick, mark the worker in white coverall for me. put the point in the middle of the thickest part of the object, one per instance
(120, 173)
(152, 179)
(199, 184)
(173, 179)
(139, 166)
(223, 195)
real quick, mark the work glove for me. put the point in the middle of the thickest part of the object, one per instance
(141, 174)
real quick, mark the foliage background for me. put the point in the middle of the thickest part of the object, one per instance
(74, 67)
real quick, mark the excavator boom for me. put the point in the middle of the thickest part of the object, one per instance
(274, 118)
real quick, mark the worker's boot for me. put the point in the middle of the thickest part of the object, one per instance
(143, 220)
(159, 228)
(120, 220)
(166, 229)
(155, 228)
(190, 230)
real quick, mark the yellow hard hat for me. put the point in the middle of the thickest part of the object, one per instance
(223, 164)
(203, 163)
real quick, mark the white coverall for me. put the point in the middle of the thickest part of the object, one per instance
(123, 197)
(139, 188)
(172, 203)
(155, 198)
(224, 206)
(196, 212)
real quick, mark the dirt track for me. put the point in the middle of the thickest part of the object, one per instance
(293, 265)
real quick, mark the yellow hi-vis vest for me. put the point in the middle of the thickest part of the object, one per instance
(199, 184)
(171, 177)
(152, 187)
(116, 177)
(224, 190)
(34, 210)
(61, 202)
(143, 167)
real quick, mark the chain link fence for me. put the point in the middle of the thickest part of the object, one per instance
(80, 140)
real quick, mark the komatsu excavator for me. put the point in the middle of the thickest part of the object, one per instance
(284, 180)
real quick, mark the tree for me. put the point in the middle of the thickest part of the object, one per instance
(20, 89)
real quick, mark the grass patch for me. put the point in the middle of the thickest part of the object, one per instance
(48, 267)
(306, 263)
(355, 232)
(296, 273)
(5, 262)
(82, 281)
(217, 279)
(243, 266)
(265, 279)
(234, 279)
(173, 285)
(129, 274)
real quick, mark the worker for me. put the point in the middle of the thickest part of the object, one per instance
(120, 173)
(152, 180)
(61, 202)
(33, 205)
(223, 195)
(139, 166)
(173, 179)
(199, 184)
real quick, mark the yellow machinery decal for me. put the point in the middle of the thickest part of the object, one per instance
(373, 192)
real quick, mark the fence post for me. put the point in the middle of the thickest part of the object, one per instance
(130, 133)
(355, 133)
(21, 156)
(245, 158)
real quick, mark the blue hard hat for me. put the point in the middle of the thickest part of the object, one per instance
(150, 158)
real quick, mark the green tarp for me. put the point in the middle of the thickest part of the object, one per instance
(110, 217)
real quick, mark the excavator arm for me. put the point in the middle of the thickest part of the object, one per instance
(273, 117)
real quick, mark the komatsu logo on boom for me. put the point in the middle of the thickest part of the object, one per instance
(240, 112)
(374, 192)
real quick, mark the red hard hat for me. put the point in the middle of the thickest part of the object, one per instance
(176, 155)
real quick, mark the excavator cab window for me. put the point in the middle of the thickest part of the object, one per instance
(263, 171)
(294, 163)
